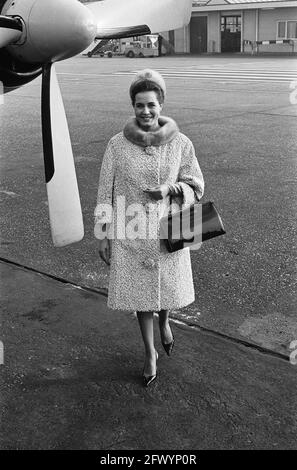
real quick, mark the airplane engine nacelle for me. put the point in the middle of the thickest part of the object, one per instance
(52, 29)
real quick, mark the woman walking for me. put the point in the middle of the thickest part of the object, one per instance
(146, 167)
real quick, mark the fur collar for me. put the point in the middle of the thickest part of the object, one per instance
(165, 134)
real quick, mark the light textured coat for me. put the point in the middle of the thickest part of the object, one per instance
(143, 275)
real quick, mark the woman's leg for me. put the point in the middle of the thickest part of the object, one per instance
(146, 323)
(165, 330)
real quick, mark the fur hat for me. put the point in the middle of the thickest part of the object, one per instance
(148, 75)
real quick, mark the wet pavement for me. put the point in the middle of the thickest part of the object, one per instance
(71, 379)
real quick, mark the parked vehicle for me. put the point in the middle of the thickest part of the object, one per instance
(110, 52)
(147, 47)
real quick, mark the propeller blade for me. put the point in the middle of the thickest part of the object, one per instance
(63, 197)
(116, 18)
(10, 30)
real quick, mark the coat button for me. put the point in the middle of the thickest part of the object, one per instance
(149, 150)
(149, 263)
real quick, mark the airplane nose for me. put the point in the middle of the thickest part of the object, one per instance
(56, 30)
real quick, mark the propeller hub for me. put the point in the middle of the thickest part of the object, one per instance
(54, 29)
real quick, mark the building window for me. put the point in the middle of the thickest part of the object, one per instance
(231, 23)
(286, 30)
(292, 30)
(281, 29)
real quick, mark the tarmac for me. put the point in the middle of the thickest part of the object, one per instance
(71, 379)
(243, 131)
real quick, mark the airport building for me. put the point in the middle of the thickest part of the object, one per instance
(238, 26)
(234, 26)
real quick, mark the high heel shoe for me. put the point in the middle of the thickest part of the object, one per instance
(168, 346)
(147, 380)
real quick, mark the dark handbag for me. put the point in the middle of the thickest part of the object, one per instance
(191, 226)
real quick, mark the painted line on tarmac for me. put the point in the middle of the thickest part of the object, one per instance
(240, 73)
(218, 70)
(229, 76)
(223, 66)
(242, 342)
(222, 81)
(229, 71)
(220, 76)
(224, 77)
(100, 291)
(194, 326)
(80, 74)
(196, 71)
(103, 74)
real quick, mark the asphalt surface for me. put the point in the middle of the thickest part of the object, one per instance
(71, 379)
(244, 129)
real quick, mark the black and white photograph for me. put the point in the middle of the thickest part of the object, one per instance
(148, 249)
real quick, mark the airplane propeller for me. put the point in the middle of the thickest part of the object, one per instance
(47, 32)
(43, 32)
(62, 190)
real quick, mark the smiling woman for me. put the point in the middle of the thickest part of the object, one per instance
(144, 167)
(147, 110)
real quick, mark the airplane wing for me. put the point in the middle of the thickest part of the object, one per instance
(125, 18)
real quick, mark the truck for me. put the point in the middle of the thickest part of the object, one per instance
(147, 46)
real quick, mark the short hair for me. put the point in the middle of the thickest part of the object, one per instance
(147, 85)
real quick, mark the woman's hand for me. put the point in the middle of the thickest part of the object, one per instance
(105, 250)
(158, 192)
